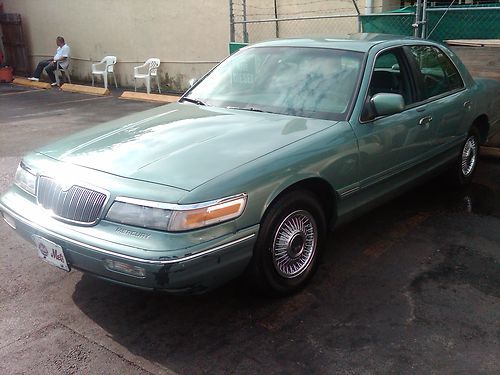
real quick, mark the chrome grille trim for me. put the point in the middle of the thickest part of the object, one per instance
(77, 204)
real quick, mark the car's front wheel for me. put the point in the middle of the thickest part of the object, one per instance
(290, 240)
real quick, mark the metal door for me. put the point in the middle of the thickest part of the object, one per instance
(16, 53)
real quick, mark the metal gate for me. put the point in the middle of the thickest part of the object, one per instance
(16, 54)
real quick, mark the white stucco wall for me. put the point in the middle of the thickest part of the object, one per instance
(189, 36)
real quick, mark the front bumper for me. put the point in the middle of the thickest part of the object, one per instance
(193, 269)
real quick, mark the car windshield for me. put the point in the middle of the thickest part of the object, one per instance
(306, 82)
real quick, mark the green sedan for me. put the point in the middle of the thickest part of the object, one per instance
(247, 172)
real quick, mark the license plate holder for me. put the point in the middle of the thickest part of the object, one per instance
(51, 253)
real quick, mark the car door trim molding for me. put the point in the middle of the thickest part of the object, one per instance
(349, 190)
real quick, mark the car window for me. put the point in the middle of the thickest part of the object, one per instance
(306, 82)
(386, 76)
(387, 60)
(437, 72)
(389, 75)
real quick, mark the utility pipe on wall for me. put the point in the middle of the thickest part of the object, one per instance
(369, 7)
(424, 20)
(276, 16)
(245, 31)
(418, 19)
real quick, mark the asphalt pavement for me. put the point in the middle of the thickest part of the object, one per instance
(411, 287)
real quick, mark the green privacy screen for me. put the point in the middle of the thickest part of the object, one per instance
(460, 22)
(234, 47)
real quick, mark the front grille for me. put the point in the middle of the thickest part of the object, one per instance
(78, 204)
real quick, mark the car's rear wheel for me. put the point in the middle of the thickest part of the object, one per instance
(466, 163)
(290, 240)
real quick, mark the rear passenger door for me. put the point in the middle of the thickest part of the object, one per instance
(442, 100)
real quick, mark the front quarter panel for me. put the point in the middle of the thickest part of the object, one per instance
(330, 155)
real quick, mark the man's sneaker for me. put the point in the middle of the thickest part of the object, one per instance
(33, 79)
(53, 84)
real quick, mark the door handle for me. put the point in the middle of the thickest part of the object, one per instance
(425, 120)
(467, 104)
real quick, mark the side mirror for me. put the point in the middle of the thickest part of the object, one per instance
(192, 81)
(387, 104)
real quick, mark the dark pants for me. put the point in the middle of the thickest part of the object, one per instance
(49, 68)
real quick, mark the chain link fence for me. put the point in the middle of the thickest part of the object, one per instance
(399, 22)
(465, 21)
(257, 20)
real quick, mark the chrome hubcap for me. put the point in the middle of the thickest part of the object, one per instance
(469, 156)
(294, 244)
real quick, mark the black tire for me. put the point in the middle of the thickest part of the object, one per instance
(287, 250)
(465, 165)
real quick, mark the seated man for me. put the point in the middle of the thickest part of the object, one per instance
(61, 57)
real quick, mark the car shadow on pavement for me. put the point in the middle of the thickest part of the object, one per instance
(403, 286)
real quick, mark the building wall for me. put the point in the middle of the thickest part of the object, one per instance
(189, 36)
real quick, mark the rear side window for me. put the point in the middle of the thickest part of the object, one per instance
(438, 75)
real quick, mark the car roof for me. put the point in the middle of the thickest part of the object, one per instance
(360, 42)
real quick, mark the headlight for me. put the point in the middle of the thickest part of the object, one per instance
(205, 216)
(25, 178)
(175, 218)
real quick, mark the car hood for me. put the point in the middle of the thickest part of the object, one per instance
(181, 145)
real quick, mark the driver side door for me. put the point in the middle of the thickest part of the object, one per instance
(384, 141)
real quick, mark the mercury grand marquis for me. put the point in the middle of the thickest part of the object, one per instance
(245, 174)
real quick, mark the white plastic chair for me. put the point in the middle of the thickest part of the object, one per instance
(103, 68)
(59, 72)
(152, 65)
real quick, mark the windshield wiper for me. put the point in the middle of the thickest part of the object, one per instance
(252, 109)
(195, 101)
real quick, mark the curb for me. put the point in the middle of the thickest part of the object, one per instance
(131, 95)
(69, 87)
(28, 83)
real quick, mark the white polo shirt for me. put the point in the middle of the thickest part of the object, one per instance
(63, 51)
